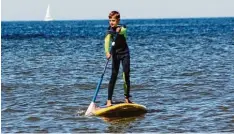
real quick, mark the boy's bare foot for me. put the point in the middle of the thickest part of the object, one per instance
(108, 103)
(127, 101)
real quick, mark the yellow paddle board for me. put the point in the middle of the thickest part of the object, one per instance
(121, 110)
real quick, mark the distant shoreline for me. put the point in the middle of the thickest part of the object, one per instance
(121, 19)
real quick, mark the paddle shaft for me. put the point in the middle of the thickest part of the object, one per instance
(100, 81)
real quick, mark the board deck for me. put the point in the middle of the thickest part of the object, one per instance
(121, 110)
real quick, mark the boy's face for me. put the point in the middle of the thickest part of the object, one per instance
(113, 21)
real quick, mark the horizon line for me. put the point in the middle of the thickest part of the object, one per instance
(94, 19)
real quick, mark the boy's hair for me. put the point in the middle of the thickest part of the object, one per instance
(114, 14)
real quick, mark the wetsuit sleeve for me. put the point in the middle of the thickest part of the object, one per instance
(123, 31)
(107, 43)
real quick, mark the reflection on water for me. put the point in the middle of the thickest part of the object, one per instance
(120, 125)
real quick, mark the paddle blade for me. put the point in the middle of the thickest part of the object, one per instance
(90, 109)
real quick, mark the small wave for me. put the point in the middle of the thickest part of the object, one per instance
(80, 112)
(9, 110)
(33, 119)
(23, 36)
(154, 110)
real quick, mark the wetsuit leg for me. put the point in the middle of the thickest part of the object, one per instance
(115, 70)
(126, 75)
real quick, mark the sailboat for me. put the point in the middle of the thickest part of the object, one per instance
(48, 16)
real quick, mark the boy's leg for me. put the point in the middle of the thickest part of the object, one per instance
(126, 75)
(114, 74)
(127, 87)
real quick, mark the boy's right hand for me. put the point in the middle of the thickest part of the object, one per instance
(108, 55)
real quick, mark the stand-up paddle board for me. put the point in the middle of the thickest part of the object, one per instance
(121, 110)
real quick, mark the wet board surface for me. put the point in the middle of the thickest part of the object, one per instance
(121, 110)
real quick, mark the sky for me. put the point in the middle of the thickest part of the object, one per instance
(13, 10)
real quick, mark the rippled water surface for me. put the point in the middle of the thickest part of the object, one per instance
(181, 69)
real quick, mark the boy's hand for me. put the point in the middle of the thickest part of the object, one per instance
(118, 29)
(108, 55)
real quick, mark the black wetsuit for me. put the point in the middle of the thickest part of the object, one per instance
(120, 54)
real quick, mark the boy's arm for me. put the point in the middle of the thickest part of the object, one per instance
(123, 31)
(107, 43)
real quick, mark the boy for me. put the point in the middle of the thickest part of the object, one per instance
(119, 53)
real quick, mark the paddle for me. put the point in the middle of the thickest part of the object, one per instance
(92, 105)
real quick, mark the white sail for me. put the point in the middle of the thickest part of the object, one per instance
(48, 15)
